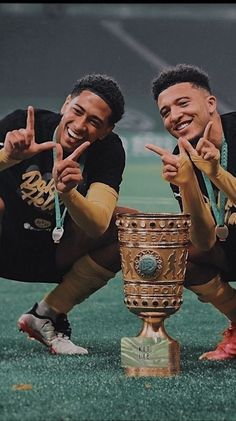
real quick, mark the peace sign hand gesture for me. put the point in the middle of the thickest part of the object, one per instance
(170, 162)
(206, 156)
(177, 169)
(20, 144)
(66, 172)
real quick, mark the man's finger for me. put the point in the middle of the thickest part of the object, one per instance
(46, 146)
(30, 118)
(78, 151)
(59, 152)
(156, 149)
(185, 146)
(207, 130)
(181, 146)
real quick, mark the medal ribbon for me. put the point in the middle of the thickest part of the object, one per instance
(219, 211)
(58, 230)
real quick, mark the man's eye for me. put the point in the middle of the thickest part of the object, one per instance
(95, 123)
(165, 114)
(77, 111)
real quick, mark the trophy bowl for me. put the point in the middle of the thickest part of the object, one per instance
(154, 251)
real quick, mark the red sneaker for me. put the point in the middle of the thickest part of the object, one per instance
(226, 349)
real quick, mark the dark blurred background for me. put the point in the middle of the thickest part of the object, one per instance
(45, 47)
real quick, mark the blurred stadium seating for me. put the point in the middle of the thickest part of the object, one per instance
(46, 47)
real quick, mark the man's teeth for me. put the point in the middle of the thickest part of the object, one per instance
(182, 126)
(73, 135)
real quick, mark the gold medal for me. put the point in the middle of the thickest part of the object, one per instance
(222, 232)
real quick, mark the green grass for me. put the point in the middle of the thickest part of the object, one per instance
(144, 188)
(94, 387)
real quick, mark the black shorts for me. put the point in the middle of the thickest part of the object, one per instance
(28, 261)
(202, 266)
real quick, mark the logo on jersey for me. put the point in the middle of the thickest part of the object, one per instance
(38, 190)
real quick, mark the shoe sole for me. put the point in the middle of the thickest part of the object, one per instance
(217, 358)
(24, 327)
(53, 352)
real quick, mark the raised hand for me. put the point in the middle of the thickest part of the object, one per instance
(177, 169)
(206, 156)
(205, 148)
(20, 144)
(170, 161)
(66, 172)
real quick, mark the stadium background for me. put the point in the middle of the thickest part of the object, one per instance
(44, 49)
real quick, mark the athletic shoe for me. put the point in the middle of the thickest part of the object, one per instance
(61, 343)
(226, 349)
(55, 335)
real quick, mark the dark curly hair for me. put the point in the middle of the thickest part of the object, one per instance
(105, 87)
(179, 74)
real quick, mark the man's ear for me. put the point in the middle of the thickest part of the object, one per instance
(107, 131)
(212, 103)
(63, 108)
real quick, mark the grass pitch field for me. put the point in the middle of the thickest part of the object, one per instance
(37, 386)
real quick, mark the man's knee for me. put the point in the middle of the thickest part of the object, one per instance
(199, 274)
(76, 243)
(202, 266)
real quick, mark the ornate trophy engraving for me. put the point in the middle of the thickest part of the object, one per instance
(154, 249)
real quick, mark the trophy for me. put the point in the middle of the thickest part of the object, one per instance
(154, 250)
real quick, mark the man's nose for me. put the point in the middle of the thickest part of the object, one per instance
(80, 124)
(176, 114)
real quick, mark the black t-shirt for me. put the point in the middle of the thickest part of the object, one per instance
(229, 128)
(26, 248)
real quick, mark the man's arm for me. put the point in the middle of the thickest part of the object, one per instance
(179, 170)
(206, 158)
(202, 231)
(92, 213)
(221, 178)
(5, 161)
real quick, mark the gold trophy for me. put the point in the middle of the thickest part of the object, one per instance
(154, 250)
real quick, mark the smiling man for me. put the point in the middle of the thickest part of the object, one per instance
(60, 180)
(201, 171)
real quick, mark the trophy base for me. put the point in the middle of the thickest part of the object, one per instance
(150, 372)
(150, 357)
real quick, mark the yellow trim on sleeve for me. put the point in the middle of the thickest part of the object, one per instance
(202, 230)
(5, 161)
(221, 178)
(91, 213)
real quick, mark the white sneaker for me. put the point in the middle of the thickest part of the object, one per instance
(38, 327)
(62, 345)
(55, 335)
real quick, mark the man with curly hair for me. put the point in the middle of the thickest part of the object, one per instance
(60, 180)
(202, 174)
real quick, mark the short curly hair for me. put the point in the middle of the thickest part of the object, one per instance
(178, 74)
(105, 87)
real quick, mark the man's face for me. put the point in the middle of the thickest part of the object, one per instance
(186, 109)
(85, 118)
